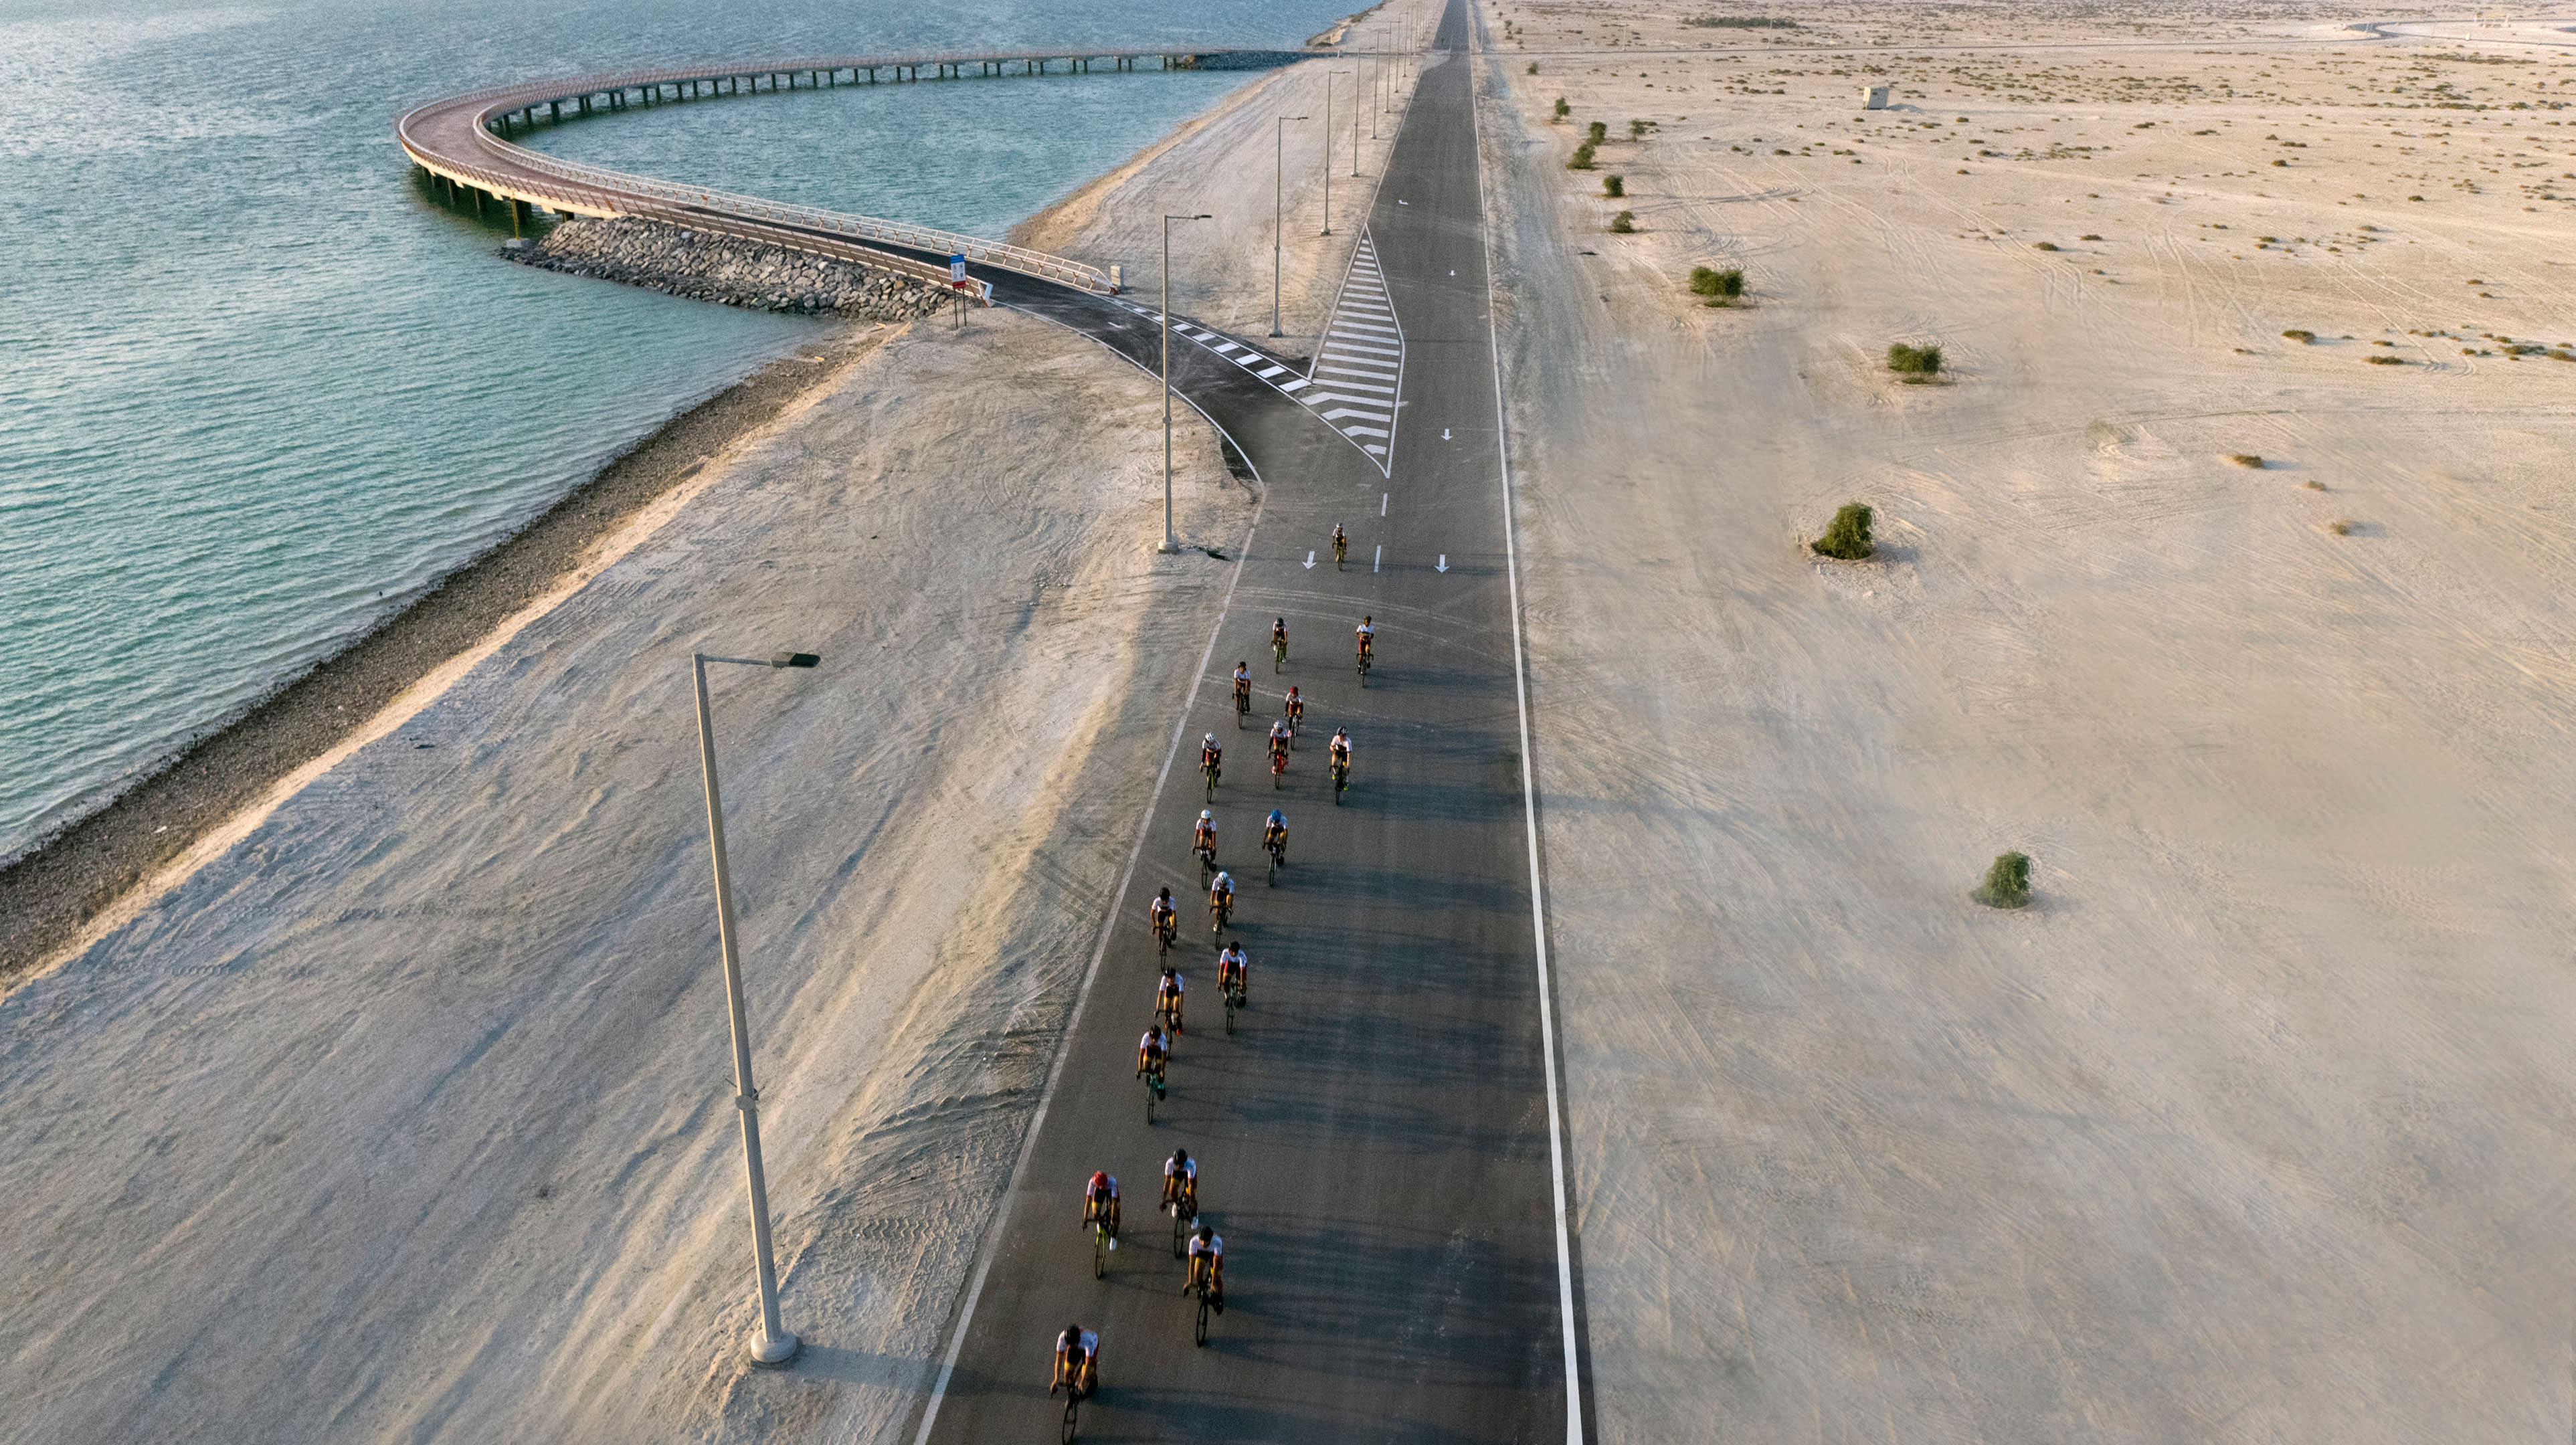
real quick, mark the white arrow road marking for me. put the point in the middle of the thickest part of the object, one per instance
(1444, 433)
(1444, 563)
(1310, 559)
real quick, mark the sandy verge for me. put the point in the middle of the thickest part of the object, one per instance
(97, 872)
(1227, 162)
(2248, 1129)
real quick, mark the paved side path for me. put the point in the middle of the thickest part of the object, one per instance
(1373, 1138)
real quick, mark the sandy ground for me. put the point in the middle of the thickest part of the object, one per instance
(2252, 1127)
(407, 1118)
(1241, 166)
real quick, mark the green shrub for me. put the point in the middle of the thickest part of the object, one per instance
(2385, 360)
(1847, 535)
(1614, 186)
(1582, 158)
(2007, 882)
(1636, 130)
(1741, 22)
(1623, 223)
(1707, 281)
(1533, 67)
(2304, 338)
(1562, 109)
(1601, 132)
(1914, 360)
(2247, 459)
(2043, 245)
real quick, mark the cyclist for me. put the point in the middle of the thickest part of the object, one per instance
(1293, 712)
(1367, 631)
(1341, 544)
(1274, 834)
(1077, 1362)
(1279, 736)
(1203, 840)
(1207, 1265)
(1232, 969)
(1181, 1184)
(1165, 918)
(1341, 748)
(1242, 687)
(1279, 639)
(1100, 1203)
(1221, 896)
(1210, 755)
(1151, 1053)
(1167, 996)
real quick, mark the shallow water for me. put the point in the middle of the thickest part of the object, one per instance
(260, 389)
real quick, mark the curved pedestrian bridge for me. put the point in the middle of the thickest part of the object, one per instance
(464, 143)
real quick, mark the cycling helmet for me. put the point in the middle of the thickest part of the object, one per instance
(1206, 816)
(1180, 1156)
(1207, 1231)
(1211, 737)
(1099, 1177)
(1277, 817)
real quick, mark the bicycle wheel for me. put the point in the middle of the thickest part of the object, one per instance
(1278, 656)
(1200, 1334)
(1099, 1251)
(1180, 1232)
(1151, 1094)
(1072, 1404)
(1274, 870)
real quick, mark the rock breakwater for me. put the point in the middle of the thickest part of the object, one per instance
(663, 257)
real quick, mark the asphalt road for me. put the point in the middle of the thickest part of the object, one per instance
(1373, 1141)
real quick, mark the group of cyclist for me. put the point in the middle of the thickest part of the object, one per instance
(1077, 1350)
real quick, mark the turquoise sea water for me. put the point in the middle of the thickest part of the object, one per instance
(258, 389)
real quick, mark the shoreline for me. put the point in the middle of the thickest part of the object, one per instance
(96, 865)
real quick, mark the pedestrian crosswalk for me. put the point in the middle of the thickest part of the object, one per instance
(1358, 374)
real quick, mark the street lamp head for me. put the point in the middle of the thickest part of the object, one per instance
(795, 659)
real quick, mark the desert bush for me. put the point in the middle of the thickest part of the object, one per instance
(2385, 360)
(2340, 528)
(2302, 337)
(1623, 223)
(2247, 459)
(1562, 109)
(1708, 281)
(1582, 158)
(2007, 882)
(1614, 186)
(1636, 130)
(1533, 67)
(1741, 22)
(2043, 245)
(1914, 360)
(1847, 535)
(2088, 237)
(1601, 132)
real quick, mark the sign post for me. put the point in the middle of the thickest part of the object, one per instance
(957, 283)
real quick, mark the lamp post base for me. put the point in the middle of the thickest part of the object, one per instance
(774, 1352)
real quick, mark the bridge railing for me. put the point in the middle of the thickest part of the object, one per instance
(600, 180)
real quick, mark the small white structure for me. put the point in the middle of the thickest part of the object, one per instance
(1873, 97)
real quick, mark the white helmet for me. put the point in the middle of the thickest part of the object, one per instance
(1211, 737)
(1205, 815)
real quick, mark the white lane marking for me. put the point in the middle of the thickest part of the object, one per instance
(1359, 385)
(1443, 567)
(1269, 372)
(1362, 339)
(1529, 815)
(1444, 433)
(1310, 565)
(1064, 1048)
(1381, 502)
(1228, 349)
(1339, 412)
(1378, 561)
(1292, 387)
(1363, 431)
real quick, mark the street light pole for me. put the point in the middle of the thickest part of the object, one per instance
(773, 1345)
(1171, 539)
(1279, 210)
(1328, 150)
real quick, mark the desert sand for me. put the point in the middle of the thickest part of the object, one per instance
(2252, 1126)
